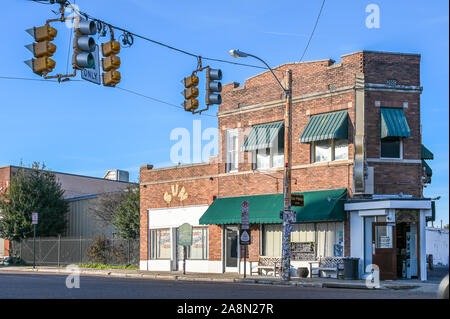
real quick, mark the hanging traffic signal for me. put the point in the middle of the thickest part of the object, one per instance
(190, 93)
(42, 50)
(84, 44)
(111, 63)
(212, 87)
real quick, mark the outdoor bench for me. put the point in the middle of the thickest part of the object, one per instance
(326, 264)
(268, 264)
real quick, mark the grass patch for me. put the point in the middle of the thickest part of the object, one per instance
(104, 266)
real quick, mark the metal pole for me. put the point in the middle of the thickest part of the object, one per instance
(59, 249)
(184, 259)
(81, 250)
(245, 261)
(286, 257)
(34, 246)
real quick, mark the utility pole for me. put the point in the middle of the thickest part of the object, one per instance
(287, 213)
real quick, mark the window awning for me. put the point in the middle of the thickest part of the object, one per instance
(428, 170)
(262, 136)
(326, 126)
(393, 123)
(426, 153)
(326, 205)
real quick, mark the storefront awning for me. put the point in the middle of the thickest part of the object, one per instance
(326, 126)
(327, 205)
(426, 153)
(393, 123)
(262, 136)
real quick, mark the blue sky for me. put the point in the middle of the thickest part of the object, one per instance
(83, 128)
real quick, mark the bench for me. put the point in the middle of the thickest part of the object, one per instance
(326, 264)
(268, 264)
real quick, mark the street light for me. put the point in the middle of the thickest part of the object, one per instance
(288, 215)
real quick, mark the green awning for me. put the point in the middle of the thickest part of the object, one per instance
(426, 153)
(326, 126)
(262, 136)
(327, 205)
(393, 123)
(428, 169)
(432, 218)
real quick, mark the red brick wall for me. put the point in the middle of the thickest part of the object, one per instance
(308, 79)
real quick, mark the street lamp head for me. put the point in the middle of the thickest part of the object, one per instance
(238, 54)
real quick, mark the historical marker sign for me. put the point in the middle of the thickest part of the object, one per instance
(297, 200)
(185, 235)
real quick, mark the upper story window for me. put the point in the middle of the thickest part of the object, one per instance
(266, 142)
(393, 128)
(232, 150)
(329, 150)
(328, 135)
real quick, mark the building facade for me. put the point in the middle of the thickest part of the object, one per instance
(357, 158)
(82, 194)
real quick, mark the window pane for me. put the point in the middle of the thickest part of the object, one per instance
(340, 149)
(162, 244)
(390, 147)
(323, 151)
(232, 150)
(198, 250)
(272, 240)
(278, 160)
(383, 235)
(263, 158)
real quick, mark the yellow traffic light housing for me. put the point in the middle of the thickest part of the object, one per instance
(43, 49)
(111, 63)
(190, 93)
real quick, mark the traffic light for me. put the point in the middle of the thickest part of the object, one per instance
(212, 87)
(111, 63)
(42, 49)
(190, 93)
(85, 45)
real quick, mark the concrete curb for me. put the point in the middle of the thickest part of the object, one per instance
(112, 273)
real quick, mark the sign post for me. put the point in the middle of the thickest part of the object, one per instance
(185, 240)
(34, 222)
(244, 238)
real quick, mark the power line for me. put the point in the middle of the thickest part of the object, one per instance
(314, 29)
(120, 88)
(86, 15)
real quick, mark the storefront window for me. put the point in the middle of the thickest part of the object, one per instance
(199, 248)
(161, 248)
(327, 237)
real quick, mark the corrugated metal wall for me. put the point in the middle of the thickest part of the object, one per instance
(82, 221)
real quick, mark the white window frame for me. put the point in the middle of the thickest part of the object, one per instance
(333, 157)
(231, 133)
(271, 154)
(394, 158)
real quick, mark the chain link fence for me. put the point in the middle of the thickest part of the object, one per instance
(60, 251)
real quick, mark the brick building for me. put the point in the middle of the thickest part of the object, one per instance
(356, 156)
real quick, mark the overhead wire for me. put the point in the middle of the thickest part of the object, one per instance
(313, 30)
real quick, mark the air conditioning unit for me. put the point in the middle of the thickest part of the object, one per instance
(117, 175)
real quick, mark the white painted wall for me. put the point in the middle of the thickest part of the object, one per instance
(357, 239)
(175, 217)
(438, 245)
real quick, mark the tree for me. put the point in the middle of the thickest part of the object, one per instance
(106, 206)
(126, 218)
(33, 190)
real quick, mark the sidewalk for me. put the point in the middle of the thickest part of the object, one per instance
(228, 277)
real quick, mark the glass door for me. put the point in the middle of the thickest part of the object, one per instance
(231, 249)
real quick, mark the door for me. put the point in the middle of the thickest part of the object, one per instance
(231, 249)
(384, 249)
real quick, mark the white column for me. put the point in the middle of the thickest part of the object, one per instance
(357, 238)
(423, 243)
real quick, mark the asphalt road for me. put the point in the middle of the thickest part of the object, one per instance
(38, 286)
